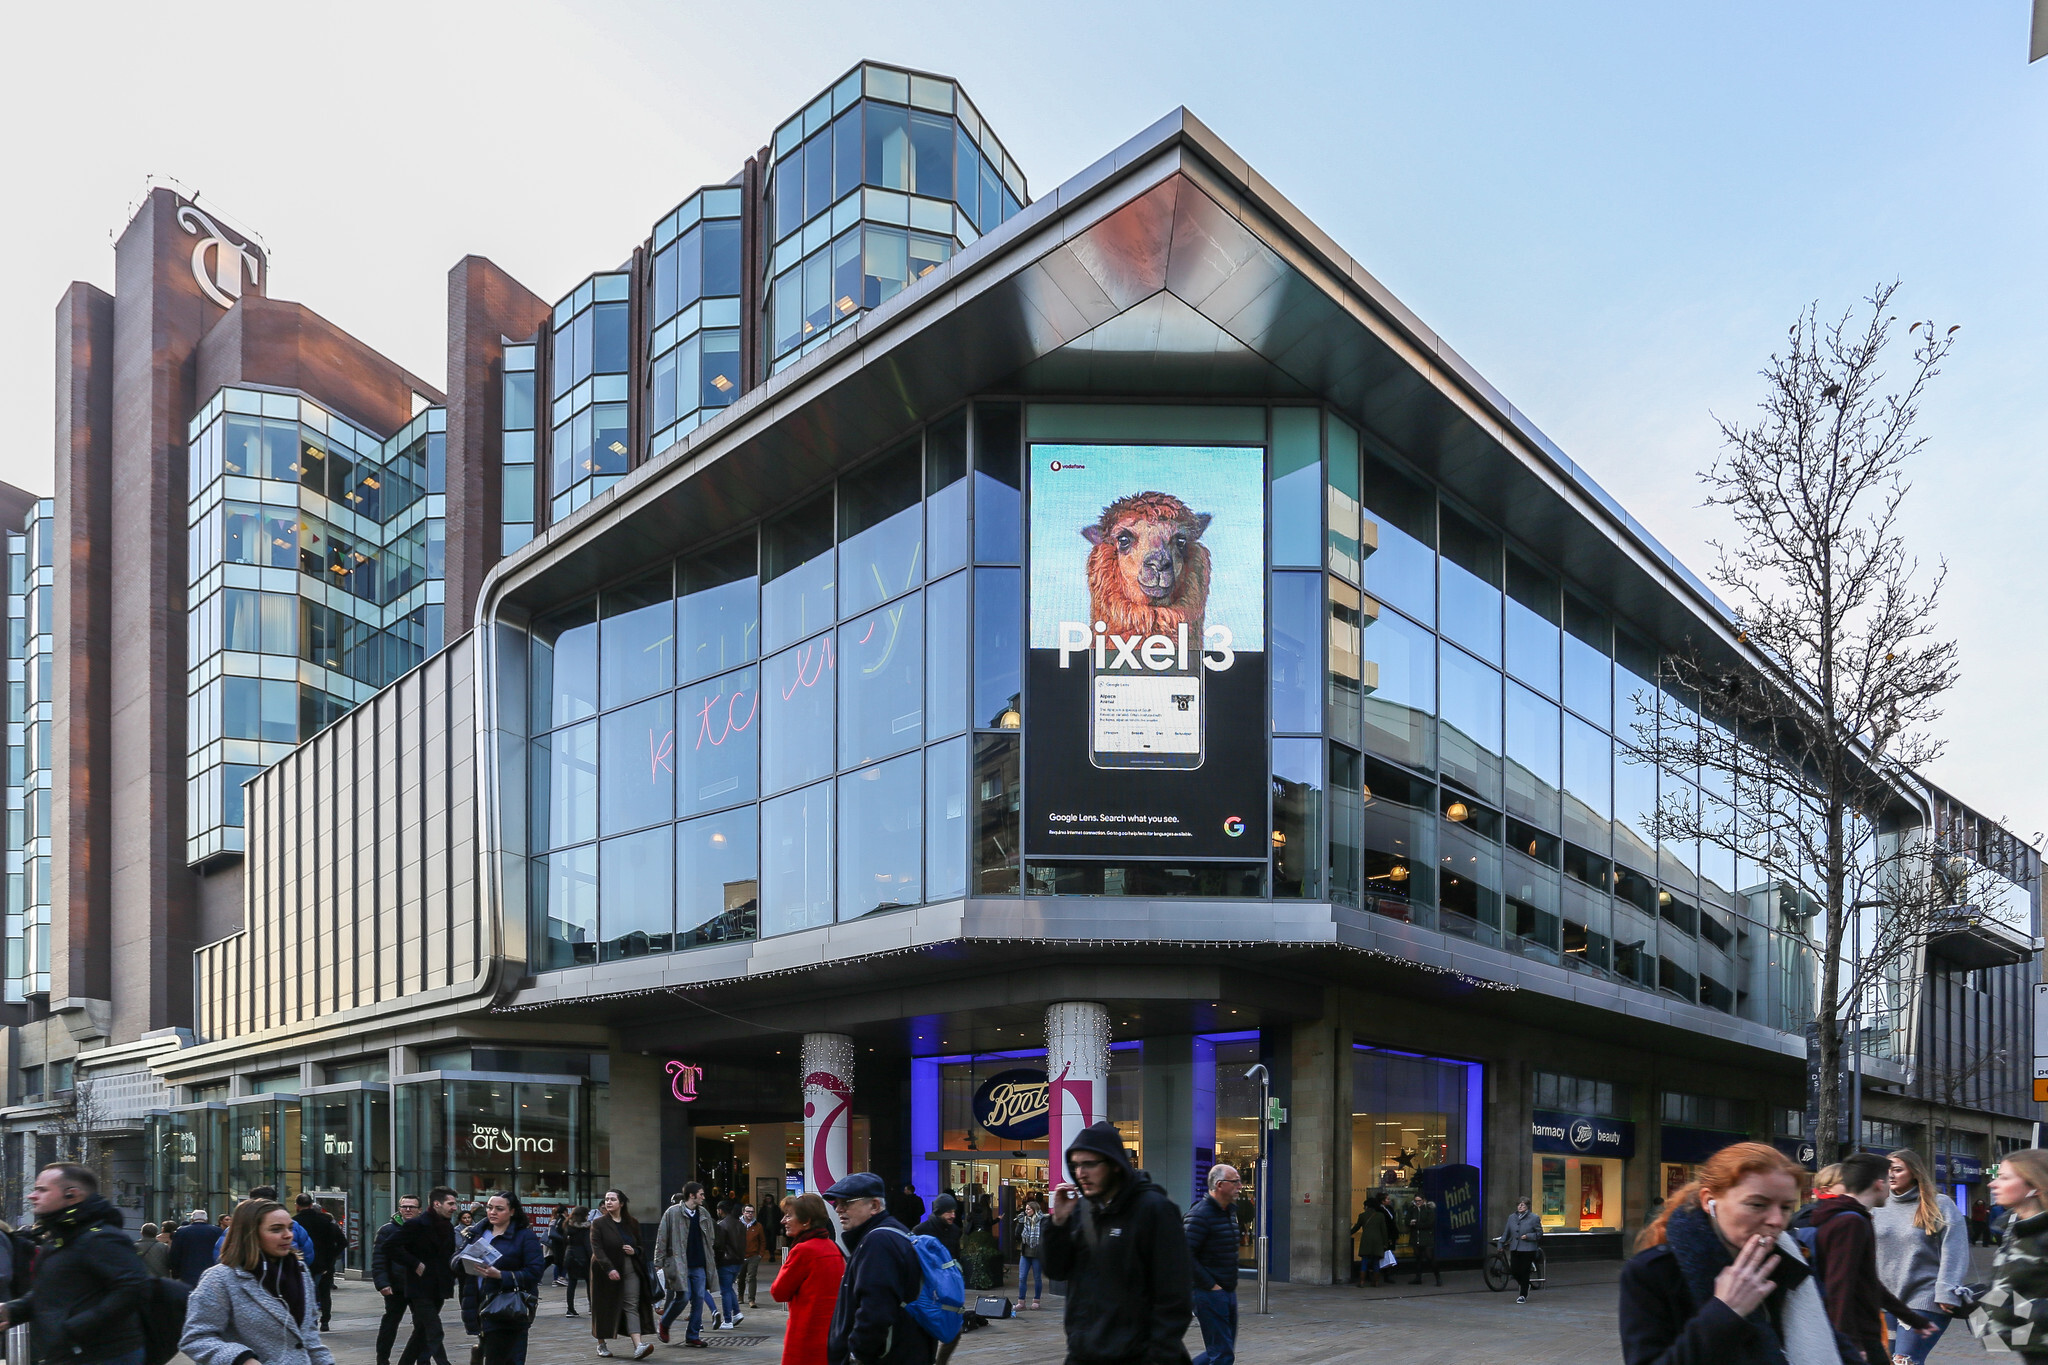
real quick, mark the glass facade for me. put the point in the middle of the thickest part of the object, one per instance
(31, 603)
(1453, 729)
(518, 491)
(543, 1138)
(587, 390)
(876, 184)
(315, 566)
(693, 315)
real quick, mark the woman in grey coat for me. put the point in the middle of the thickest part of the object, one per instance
(1523, 1239)
(258, 1301)
(1923, 1252)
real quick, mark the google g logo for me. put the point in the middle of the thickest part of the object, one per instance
(1233, 825)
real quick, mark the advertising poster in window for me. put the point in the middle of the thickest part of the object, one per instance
(1145, 735)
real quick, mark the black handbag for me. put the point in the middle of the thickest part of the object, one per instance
(507, 1308)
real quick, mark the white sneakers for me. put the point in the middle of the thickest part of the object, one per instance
(727, 1326)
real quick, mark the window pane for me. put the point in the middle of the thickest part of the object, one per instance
(718, 888)
(719, 742)
(1297, 817)
(637, 765)
(568, 882)
(945, 469)
(1471, 715)
(998, 648)
(608, 344)
(846, 151)
(1635, 691)
(1399, 713)
(1297, 657)
(945, 799)
(888, 142)
(789, 310)
(881, 682)
(1532, 613)
(797, 574)
(796, 860)
(721, 257)
(1588, 784)
(998, 802)
(636, 894)
(931, 152)
(1344, 629)
(966, 178)
(946, 656)
(886, 268)
(1635, 803)
(818, 310)
(817, 175)
(610, 453)
(665, 284)
(881, 837)
(881, 529)
(1588, 670)
(661, 387)
(1344, 500)
(847, 289)
(1402, 571)
(518, 401)
(796, 731)
(789, 194)
(566, 804)
(1532, 753)
(720, 368)
(1471, 585)
(721, 609)
(637, 637)
(1297, 480)
(998, 483)
(564, 671)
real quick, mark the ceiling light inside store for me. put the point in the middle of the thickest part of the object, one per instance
(1457, 810)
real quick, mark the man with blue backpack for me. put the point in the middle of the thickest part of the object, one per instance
(902, 1296)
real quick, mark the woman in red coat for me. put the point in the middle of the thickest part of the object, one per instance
(809, 1279)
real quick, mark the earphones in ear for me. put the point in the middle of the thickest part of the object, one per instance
(1710, 1205)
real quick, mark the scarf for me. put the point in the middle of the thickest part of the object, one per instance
(284, 1277)
(1792, 1326)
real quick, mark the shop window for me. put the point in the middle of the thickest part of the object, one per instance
(1399, 715)
(998, 649)
(637, 637)
(1711, 1111)
(717, 879)
(1297, 817)
(881, 682)
(721, 609)
(1679, 913)
(945, 819)
(881, 529)
(1398, 854)
(796, 860)
(1297, 660)
(1345, 631)
(563, 670)
(1580, 1095)
(881, 837)
(637, 765)
(1415, 1127)
(998, 800)
(1236, 1133)
(1586, 946)
(797, 573)
(717, 742)
(1470, 702)
(945, 473)
(946, 636)
(998, 483)
(1534, 843)
(566, 893)
(565, 786)
(798, 687)
(636, 894)
(1402, 570)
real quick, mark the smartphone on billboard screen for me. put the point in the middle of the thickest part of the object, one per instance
(1145, 720)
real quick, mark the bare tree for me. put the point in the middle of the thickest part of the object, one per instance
(1805, 743)
(80, 1131)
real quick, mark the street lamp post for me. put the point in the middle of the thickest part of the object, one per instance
(1259, 1073)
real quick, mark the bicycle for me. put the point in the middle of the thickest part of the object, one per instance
(1498, 1275)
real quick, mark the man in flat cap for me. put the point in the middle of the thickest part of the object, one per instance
(869, 1324)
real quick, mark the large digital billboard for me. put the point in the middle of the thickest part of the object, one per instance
(1145, 730)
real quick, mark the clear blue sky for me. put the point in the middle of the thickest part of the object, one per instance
(1612, 210)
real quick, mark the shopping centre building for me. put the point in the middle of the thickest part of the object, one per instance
(893, 670)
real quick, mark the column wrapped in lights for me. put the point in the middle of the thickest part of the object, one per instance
(828, 1108)
(1077, 1072)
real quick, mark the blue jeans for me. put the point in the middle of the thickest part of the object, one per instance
(728, 1276)
(1030, 1268)
(694, 1294)
(1216, 1311)
(1909, 1343)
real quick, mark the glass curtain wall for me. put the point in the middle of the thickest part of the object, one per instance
(31, 703)
(875, 185)
(316, 558)
(587, 383)
(693, 315)
(541, 1137)
(1455, 730)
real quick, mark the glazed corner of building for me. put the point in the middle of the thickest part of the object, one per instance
(386, 941)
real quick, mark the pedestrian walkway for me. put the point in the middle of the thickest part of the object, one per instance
(1569, 1321)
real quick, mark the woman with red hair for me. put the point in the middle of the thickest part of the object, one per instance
(1716, 1280)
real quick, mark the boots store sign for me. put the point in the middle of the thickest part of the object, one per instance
(1581, 1135)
